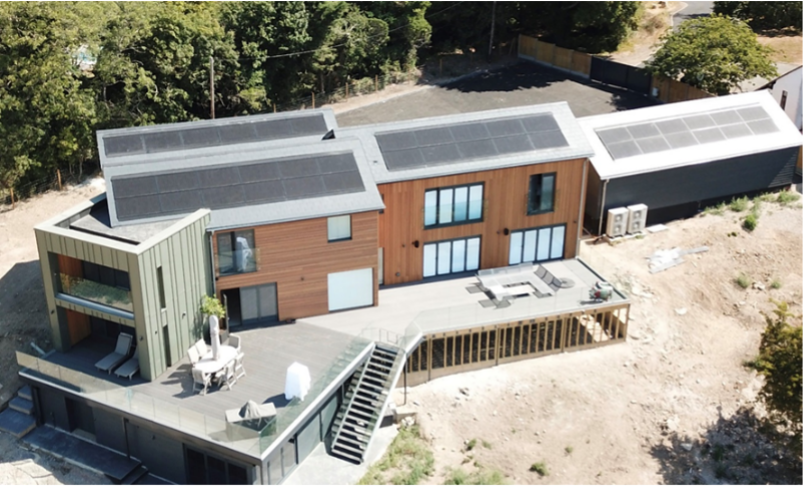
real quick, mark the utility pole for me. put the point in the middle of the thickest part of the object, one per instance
(212, 89)
(492, 32)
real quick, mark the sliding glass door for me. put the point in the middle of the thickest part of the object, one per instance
(453, 256)
(535, 245)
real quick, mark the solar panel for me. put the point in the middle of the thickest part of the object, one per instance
(433, 146)
(171, 193)
(685, 131)
(178, 139)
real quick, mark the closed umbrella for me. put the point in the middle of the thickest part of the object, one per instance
(215, 339)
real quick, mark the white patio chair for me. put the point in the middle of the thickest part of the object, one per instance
(193, 354)
(200, 378)
(235, 341)
(239, 371)
(201, 347)
(227, 376)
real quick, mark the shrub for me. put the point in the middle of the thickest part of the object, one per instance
(718, 209)
(486, 444)
(786, 197)
(409, 454)
(776, 284)
(743, 281)
(212, 306)
(471, 444)
(739, 204)
(569, 449)
(540, 468)
(458, 476)
(750, 222)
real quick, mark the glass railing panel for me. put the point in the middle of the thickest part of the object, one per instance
(237, 262)
(93, 291)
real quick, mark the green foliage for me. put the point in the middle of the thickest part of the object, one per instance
(718, 452)
(739, 204)
(776, 284)
(409, 457)
(786, 197)
(750, 222)
(470, 444)
(712, 53)
(780, 361)
(569, 449)
(211, 306)
(540, 468)
(483, 476)
(764, 15)
(718, 209)
(743, 281)
(486, 444)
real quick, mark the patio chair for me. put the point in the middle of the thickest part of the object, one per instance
(201, 347)
(239, 371)
(227, 376)
(130, 367)
(193, 355)
(200, 378)
(235, 341)
(541, 271)
(116, 358)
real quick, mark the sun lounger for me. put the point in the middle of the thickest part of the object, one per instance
(130, 367)
(115, 359)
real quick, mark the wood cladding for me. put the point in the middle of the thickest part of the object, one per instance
(505, 201)
(78, 326)
(298, 257)
(70, 266)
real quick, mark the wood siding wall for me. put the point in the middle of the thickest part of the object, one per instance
(187, 278)
(298, 257)
(505, 199)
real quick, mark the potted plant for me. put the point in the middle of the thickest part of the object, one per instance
(211, 307)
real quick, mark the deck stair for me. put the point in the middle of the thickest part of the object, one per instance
(18, 419)
(366, 398)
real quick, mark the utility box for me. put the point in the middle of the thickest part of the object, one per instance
(617, 221)
(637, 218)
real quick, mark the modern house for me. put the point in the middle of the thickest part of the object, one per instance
(288, 218)
(681, 157)
(787, 90)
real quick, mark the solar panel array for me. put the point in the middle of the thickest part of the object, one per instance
(434, 146)
(168, 140)
(253, 183)
(652, 137)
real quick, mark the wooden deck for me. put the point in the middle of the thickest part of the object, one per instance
(267, 354)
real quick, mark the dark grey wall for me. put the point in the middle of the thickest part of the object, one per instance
(679, 187)
(162, 455)
(109, 430)
(54, 408)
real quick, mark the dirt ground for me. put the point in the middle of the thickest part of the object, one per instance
(643, 43)
(23, 311)
(672, 405)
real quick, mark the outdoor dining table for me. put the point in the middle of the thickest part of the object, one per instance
(208, 365)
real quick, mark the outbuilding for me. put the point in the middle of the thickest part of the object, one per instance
(681, 157)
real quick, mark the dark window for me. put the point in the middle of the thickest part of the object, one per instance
(106, 275)
(236, 252)
(197, 471)
(783, 99)
(216, 471)
(204, 469)
(161, 287)
(541, 193)
(454, 205)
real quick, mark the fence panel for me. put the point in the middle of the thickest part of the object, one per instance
(563, 57)
(527, 46)
(581, 63)
(622, 75)
(545, 52)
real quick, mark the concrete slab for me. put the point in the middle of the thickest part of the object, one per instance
(319, 468)
(16, 423)
(80, 452)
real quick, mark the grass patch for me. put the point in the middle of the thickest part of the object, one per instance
(743, 281)
(486, 444)
(776, 284)
(768, 197)
(407, 461)
(471, 444)
(739, 204)
(716, 209)
(458, 476)
(540, 468)
(750, 222)
(786, 197)
(569, 449)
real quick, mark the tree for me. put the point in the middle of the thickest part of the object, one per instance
(46, 114)
(764, 15)
(712, 53)
(780, 361)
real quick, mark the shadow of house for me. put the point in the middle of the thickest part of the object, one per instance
(741, 449)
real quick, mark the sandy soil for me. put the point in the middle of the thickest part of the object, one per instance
(23, 314)
(21, 467)
(672, 405)
(788, 49)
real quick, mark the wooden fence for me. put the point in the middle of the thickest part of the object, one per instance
(663, 89)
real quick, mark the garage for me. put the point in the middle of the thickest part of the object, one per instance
(350, 289)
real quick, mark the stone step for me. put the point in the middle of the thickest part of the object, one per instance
(22, 405)
(25, 392)
(16, 423)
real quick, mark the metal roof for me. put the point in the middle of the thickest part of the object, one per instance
(471, 142)
(245, 187)
(686, 133)
(136, 145)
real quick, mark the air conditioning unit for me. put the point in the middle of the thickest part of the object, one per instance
(637, 220)
(617, 221)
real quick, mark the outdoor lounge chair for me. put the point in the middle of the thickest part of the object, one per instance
(115, 359)
(130, 367)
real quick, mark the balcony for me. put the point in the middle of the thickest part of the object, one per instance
(93, 291)
(237, 262)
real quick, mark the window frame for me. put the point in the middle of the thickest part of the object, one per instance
(349, 225)
(465, 239)
(531, 208)
(233, 234)
(438, 191)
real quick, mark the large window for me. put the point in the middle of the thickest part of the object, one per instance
(454, 256)
(236, 252)
(535, 245)
(541, 193)
(339, 228)
(455, 205)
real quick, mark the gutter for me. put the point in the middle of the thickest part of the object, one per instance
(602, 205)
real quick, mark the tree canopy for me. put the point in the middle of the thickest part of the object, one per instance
(764, 15)
(780, 361)
(713, 53)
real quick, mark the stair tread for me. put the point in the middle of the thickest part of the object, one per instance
(16, 423)
(349, 449)
(21, 405)
(25, 392)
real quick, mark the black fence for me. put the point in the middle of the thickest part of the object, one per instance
(625, 76)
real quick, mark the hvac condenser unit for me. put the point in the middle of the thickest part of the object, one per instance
(617, 221)
(637, 219)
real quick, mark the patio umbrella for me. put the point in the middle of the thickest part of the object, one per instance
(215, 339)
